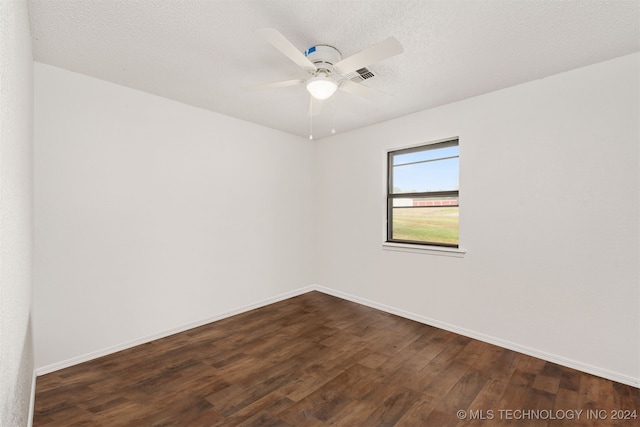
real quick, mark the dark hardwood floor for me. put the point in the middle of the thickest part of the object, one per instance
(317, 360)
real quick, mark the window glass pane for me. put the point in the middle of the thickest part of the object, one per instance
(431, 214)
(423, 223)
(424, 155)
(439, 175)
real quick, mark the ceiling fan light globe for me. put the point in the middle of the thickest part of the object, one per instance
(321, 88)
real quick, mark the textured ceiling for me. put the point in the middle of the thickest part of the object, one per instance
(201, 52)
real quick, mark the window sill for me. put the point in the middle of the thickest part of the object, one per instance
(423, 249)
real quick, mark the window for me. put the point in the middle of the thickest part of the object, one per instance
(422, 195)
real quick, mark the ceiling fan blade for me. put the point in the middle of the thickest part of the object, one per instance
(277, 40)
(383, 50)
(360, 90)
(315, 106)
(274, 85)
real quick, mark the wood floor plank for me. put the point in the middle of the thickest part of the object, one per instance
(332, 396)
(465, 390)
(317, 360)
(417, 414)
(397, 402)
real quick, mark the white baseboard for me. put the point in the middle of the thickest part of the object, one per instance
(119, 347)
(583, 367)
(600, 372)
(32, 399)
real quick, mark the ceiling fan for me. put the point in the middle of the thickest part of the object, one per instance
(327, 70)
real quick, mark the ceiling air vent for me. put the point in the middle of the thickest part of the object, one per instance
(360, 75)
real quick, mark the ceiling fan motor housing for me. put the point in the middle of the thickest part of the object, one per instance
(323, 56)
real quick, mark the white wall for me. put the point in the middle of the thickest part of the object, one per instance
(549, 196)
(152, 215)
(16, 208)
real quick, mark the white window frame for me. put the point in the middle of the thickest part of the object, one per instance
(423, 248)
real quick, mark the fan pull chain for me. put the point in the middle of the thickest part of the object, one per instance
(310, 118)
(333, 114)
